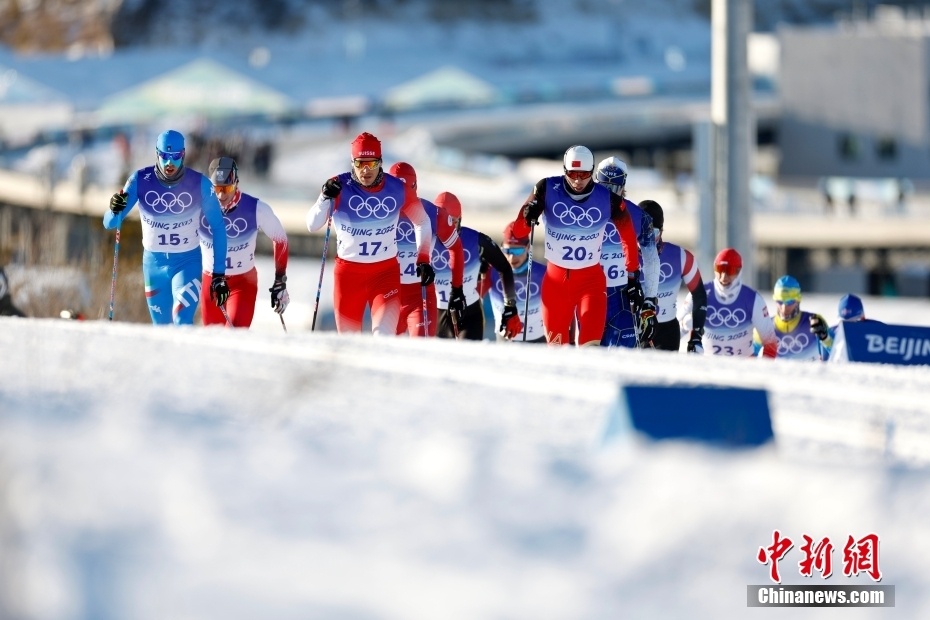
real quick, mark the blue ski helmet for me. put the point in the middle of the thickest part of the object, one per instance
(850, 308)
(611, 173)
(170, 142)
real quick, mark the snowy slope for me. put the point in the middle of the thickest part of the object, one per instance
(201, 473)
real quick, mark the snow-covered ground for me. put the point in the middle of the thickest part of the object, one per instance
(203, 473)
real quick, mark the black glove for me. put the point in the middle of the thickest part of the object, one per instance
(634, 294)
(457, 301)
(819, 327)
(219, 289)
(694, 343)
(332, 187)
(511, 325)
(426, 273)
(531, 212)
(647, 323)
(118, 202)
(279, 296)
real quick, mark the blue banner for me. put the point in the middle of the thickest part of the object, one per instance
(879, 343)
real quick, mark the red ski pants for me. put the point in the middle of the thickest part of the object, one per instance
(567, 293)
(411, 310)
(243, 289)
(376, 285)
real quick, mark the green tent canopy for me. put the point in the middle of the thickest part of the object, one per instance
(200, 88)
(446, 86)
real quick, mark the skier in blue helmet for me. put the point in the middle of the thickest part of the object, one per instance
(172, 200)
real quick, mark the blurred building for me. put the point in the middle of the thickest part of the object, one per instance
(855, 98)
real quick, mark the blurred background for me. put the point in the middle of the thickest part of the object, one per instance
(482, 97)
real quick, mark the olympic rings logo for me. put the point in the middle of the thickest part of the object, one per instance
(168, 201)
(519, 287)
(792, 344)
(724, 317)
(405, 232)
(440, 258)
(611, 236)
(576, 215)
(372, 206)
(665, 272)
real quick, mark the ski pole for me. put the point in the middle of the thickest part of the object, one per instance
(226, 316)
(319, 286)
(281, 316)
(425, 312)
(113, 279)
(529, 276)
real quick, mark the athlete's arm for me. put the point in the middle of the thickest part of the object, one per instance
(492, 254)
(766, 328)
(448, 234)
(650, 256)
(520, 227)
(214, 214)
(320, 212)
(269, 223)
(691, 276)
(422, 231)
(624, 223)
(113, 220)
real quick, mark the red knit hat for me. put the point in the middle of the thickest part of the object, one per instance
(450, 203)
(510, 239)
(366, 146)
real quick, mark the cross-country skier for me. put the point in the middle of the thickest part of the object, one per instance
(619, 329)
(244, 215)
(172, 200)
(733, 311)
(411, 287)
(366, 204)
(576, 211)
(516, 249)
(677, 266)
(460, 311)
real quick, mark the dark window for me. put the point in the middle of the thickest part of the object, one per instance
(886, 149)
(848, 147)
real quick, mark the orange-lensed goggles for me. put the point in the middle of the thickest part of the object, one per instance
(578, 175)
(366, 164)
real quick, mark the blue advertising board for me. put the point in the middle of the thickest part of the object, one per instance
(880, 343)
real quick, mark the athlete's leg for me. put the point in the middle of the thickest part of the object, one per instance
(185, 285)
(349, 297)
(590, 287)
(243, 290)
(472, 324)
(411, 310)
(384, 297)
(444, 325)
(668, 336)
(618, 330)
(558, 305)
(209, 312)
(157, 286)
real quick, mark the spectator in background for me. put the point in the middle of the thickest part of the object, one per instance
(7, 307)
